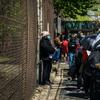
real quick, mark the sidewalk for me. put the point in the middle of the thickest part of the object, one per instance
(62, 89)
(42, 92)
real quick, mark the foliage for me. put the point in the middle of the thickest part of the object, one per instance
(10, 8)
(83, 18)
(72, 8)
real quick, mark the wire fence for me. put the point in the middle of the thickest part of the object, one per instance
(18, 46)
(18, 42)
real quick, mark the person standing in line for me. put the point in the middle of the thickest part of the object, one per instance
(57, 43)
(64, 47)
(46, 51)
(71, 54)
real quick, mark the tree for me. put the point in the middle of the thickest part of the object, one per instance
(72, 8)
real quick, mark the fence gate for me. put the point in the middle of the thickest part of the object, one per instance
(18, 41)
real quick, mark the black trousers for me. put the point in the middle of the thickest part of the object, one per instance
(47, 65)
(87, 83)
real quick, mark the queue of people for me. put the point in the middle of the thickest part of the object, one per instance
(82, 54)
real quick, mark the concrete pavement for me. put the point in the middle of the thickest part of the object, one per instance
(62, 88)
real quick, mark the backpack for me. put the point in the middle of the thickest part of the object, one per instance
(72, 43)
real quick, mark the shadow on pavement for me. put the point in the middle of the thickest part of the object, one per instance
(68, 89)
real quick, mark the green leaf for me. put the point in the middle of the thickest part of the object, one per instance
(72, 8)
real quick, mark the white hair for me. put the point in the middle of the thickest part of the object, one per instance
(44, 33)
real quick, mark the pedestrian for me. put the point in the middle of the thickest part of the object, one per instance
(78, 63)
(64, 47)
(46, 51)
(57, 43)
(95, 78)
(71, 54)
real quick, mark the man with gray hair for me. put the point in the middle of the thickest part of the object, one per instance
(46, 50)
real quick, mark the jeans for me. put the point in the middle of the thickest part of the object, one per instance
(56, 55)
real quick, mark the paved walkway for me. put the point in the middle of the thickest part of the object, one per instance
(63, 88)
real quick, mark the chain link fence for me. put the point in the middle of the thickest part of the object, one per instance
(18, 44)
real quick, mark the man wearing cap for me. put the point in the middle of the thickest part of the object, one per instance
(46, 50)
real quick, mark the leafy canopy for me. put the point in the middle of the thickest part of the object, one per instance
(72, 8)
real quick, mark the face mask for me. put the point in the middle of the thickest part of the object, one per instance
(49, 37)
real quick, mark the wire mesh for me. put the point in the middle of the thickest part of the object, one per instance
(18, 31)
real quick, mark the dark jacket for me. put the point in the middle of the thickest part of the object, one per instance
(72, 45)
(46, 48)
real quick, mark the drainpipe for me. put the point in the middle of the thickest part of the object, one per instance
(40, 25)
